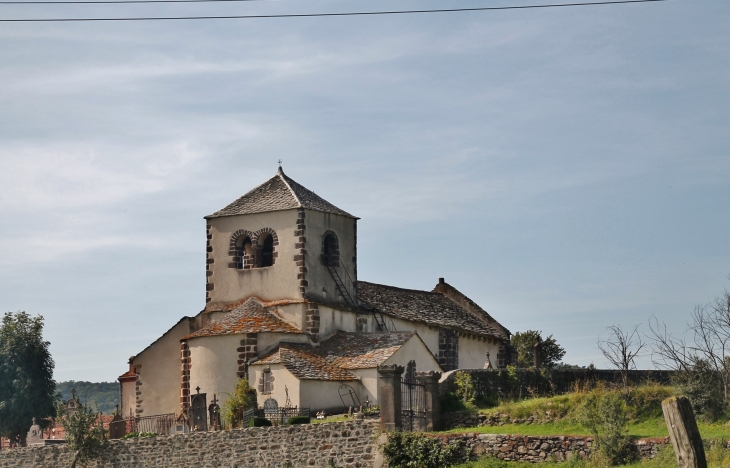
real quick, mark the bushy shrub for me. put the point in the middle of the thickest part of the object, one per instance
(414, 450)
(717, 453)
(243, 398)
(645, 402)
(134, 435)
(703, 386)
(464, 388)
(259, 422)
(605, 415)
(451, 402)
(297, 420)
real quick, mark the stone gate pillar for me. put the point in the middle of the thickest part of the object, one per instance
(390, 398)
(433, 400)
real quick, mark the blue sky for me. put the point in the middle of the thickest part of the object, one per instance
(566, 168)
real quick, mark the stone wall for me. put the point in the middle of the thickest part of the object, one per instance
(539, 448)
(349, 444)
(527, 382)
(457, 419)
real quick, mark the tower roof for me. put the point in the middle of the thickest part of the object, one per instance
(276, 194)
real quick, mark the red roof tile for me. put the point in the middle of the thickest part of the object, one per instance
(251, 317)
(332, 359)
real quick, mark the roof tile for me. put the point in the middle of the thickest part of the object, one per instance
(278, 193)
(423, 306)
(251, 317)
(336, 356)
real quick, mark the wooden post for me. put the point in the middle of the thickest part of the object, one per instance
(683, 432)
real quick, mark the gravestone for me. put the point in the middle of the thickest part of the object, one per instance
(271, 407)
(35, 434)
(199, 411)
(214, 413)
(73, 404)
(117, 426)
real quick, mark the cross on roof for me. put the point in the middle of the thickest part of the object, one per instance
(197, 389)
(279, 162)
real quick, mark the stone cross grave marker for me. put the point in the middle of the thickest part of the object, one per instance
(35, 434)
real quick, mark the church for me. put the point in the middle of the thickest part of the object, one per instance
(285, 309)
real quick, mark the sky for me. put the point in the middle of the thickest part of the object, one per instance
(566, 168)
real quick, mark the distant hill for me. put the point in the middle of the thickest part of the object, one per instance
(104, 394)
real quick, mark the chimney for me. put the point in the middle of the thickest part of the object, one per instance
(441, 281)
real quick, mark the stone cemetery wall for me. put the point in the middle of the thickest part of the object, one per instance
(537, 449)
(530, 382)
(349, 444)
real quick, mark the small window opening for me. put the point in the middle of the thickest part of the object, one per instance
(244, 252)
(267, 252)
(330, 251)
(267, 381)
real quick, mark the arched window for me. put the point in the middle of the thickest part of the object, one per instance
(241, 250)
(244, 252)
(330, 249)
(266, 259)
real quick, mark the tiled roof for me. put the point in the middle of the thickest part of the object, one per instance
(278, 193)
(334, 357)
(226, 307)
(130, 374)
(460, 298)
(306, 362)
(251, 317)
(423, 306)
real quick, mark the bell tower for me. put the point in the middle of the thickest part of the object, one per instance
(281, 241)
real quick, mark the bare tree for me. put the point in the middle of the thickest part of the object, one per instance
(621, 348)
(707, 348)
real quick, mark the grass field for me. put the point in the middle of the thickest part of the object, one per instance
(556, 416)
(716, 458)
(654, 427)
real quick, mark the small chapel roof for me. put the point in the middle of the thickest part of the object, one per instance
(336, 356)
(278, 193)
(250, 317)
(432, 308)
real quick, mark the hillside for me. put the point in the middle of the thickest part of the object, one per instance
(104, 394)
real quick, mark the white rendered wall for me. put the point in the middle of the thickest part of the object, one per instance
(128, 393)
(473, 353)
(268, 341)
(160, 372)
(214, 365)
(275, 282)
(414, 350)
(429, 334)
(318, 276)
(283, 381)
(294, 314)
(324, 394)
(369, 385)
(331, 320)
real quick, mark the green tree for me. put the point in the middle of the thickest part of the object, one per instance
(105, 395)
(524, 343)
(85, 433)
(27, 388)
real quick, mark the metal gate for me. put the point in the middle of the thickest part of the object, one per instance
(413, 405)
